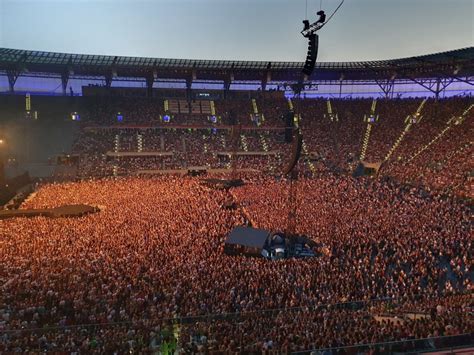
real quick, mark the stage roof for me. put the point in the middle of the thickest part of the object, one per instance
(451, 64)
(247, 236)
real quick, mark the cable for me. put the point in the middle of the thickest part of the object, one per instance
(330, 17)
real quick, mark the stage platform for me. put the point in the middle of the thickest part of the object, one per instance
(57, 212)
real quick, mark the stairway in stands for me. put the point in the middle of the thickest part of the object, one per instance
(206, 146)
(365, 142)
(207, 149)
(308, 158)
(162, 142)
(279, 159)
(243, 140)
(409, 121)
(228, 164)
(254, 106)
(368, 130)
(116, 150)
(223, 141)
(265, 147)
(453, 121)
(213, 108)
(139, 142)
(263, 142)
(332, 117)
(290, 104)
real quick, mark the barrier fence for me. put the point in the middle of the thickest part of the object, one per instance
(247, 331)
(446, 343)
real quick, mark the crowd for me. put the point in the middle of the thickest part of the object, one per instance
(332, 143)
(446, 165)
(155, 252)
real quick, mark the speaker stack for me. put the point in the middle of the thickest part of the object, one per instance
(313, 40)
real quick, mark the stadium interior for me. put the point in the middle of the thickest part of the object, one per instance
(371, 162)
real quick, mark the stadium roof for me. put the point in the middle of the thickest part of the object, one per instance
(456, 63)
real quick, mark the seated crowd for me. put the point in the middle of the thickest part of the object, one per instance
(331, 143)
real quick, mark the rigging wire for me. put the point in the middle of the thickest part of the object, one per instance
(330, 17)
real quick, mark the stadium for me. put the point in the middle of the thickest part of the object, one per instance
(182, 206)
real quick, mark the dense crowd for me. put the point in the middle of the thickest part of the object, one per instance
(446, 165)
(332, 143)
(155, 252)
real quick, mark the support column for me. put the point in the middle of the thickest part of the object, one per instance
(267, 76)
(341, 79)
(393, 89)
(189, 83)
(438, 90)
(386, 87)
(227, 83)
(12, 75)
(64, 81)
(108, 80)
(149, 85)
(441, 85)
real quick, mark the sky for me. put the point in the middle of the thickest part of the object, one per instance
(267, 30)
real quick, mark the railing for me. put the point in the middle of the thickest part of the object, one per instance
(450, 343)
(185, 328)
